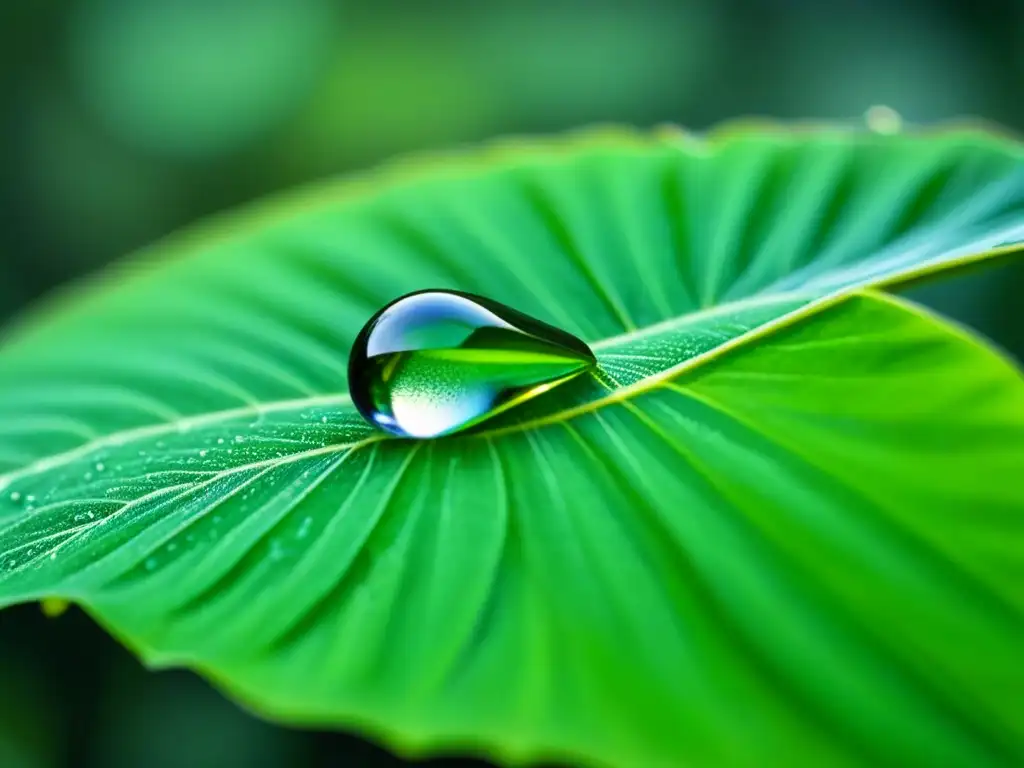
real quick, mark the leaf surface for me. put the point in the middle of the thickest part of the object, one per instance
(783, 518)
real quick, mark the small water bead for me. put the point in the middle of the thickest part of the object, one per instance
(434, 362)
(277, 551)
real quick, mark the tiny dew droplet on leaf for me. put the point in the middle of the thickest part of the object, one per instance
(435, 362)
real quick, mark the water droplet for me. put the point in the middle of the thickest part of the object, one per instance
(434, 362)
(202, 453)
(100, 466)
(15, 497)
(150, 563)
(883, 119)
(277, 551)
(220, 441)
(30, 499)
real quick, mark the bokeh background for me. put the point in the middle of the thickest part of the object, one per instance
(122, 120)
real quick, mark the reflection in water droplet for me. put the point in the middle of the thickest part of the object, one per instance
(434, 362)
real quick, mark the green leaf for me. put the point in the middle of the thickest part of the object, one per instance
(783, 521)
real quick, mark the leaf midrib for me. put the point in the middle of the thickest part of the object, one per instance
(812, 307)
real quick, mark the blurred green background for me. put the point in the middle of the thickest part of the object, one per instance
(122, 120)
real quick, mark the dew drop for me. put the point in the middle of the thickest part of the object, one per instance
(202, 453)
(434, 362)
(100, 466)
(883, 119)
(15, 497)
